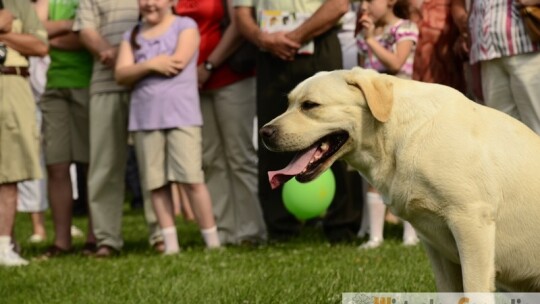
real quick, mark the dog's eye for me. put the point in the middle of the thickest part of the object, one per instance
(308, 105)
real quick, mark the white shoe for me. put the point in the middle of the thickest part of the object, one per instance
(36, 238)
(8, 257)
(76, 232)
(413, 241)
(372, 243)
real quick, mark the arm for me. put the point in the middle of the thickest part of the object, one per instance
(6, 19)
(58, 27)
(229, 42)
(93, 41)
(42, 9)
(321, 21)
(277, 43)
(68, 42)
(529, 2)
(26, 44)
(392, 61)
(127, 72)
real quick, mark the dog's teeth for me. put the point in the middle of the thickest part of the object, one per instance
(324, 146)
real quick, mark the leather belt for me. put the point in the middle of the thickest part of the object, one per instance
(20, 71)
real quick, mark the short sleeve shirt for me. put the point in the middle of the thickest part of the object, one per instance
(159, 102)
(26, 22)
(111, 18)
(402, 30)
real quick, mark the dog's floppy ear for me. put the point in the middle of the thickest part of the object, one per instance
(377, 89)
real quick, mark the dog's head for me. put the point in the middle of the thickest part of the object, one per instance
(324, 120)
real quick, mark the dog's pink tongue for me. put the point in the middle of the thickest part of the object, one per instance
(297, 165)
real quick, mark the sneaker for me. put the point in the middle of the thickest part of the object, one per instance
(8, 257)
(371, 244)
(76, 232)
(413, 241)
(36, 238)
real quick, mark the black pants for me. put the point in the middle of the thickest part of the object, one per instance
(275, 79)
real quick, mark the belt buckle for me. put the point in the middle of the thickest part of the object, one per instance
(18, 71)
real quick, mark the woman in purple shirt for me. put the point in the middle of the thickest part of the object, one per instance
(158, 59)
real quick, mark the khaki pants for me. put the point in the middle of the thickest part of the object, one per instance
(108, 156)
(512, 85)
(230, 161)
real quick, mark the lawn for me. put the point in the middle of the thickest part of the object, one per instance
(304, 270)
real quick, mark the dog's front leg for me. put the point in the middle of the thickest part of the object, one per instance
(448, 277)
(474, 233)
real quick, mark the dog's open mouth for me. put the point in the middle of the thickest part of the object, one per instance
(306, 164)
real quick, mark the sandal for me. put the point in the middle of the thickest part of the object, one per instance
(89, 249)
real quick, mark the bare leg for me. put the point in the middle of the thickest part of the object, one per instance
(162, 202)
(185, 205)
(61, 202)
(8, 208)
(200, 201)
(38, 224)
(163, 207)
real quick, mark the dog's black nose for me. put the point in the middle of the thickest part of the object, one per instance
(267, 132)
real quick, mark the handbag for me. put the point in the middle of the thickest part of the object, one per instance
(531, 19)
(244, 58)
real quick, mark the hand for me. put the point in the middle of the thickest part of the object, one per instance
(166, 65)
(280, 45)
(108, 57)
(6, 20)
(367, 27)
(202, 75)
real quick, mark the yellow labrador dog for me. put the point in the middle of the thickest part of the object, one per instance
(467, 177)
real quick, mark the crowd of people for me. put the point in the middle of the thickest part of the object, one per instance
(92, 82)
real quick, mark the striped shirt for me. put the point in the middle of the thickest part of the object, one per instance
(111, 18)
(497, 30)
(400, 31)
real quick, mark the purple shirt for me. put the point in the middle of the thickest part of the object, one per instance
(160, 102)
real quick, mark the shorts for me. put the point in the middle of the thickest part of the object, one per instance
(172, 155)
(66, 125)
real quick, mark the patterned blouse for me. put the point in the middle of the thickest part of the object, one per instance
(497, 30)
(400, 31)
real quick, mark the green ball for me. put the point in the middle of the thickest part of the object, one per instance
(309, 200)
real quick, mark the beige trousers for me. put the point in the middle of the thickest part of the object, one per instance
(108, 156)
(230, 161)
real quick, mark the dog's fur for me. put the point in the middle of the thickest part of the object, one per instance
(467, 177)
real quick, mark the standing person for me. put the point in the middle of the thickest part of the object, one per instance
(509, 60)
(386, 43)
(158, 58)
(228, 108)
(100, 24)
(33, 194)
(21, 35)
(65, 120)
(436, 60)
(279, 70)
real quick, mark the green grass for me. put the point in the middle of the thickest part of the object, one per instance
(304, 270)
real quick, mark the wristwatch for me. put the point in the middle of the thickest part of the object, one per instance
(209, 66)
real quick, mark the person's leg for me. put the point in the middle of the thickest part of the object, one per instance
(235, 111)
(376, 209)
(8, 210)
(215, 166)
(185, 167)
(61, 203)
(108, 141)
(38, 224)
(162, 202)
(58, 155)
(525, 85)
(496, 88)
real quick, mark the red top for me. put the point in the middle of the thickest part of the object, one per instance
(209, 14)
